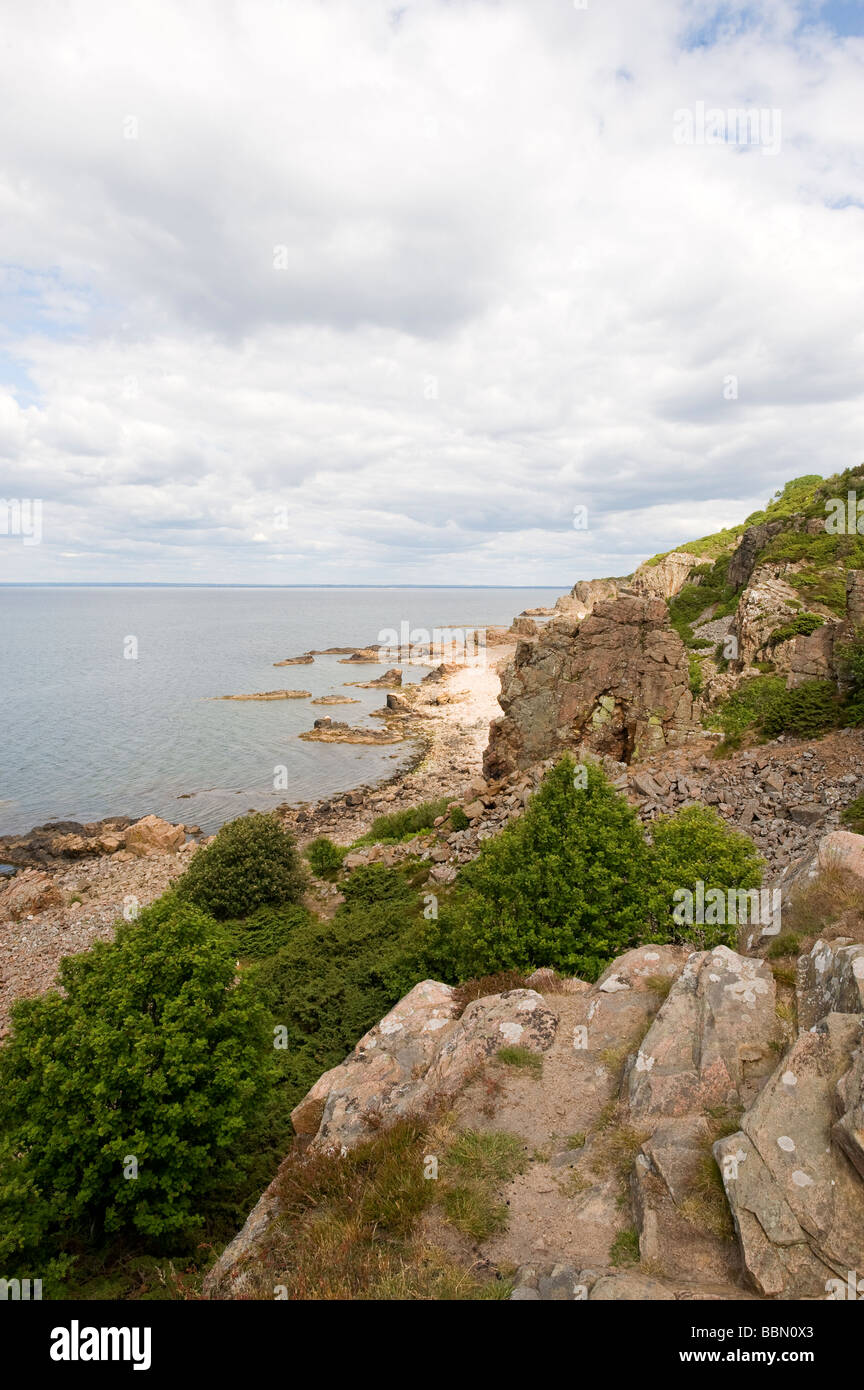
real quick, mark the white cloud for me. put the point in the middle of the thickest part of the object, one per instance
(504, 290)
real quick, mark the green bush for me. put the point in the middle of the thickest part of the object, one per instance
(458, 819)
(373, 883)
(266, 931)
(335, 979)
(324, 856)
(404, 825)
(805, 712)
(155, 1051)
(695, 845)
(747, 706)
(695, 671)
(803, 624)
(253, 862)
(853, 815)
(561, 886)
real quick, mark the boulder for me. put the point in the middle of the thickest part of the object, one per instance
(27, 892)
(797, 1203)
(829, 978)
(668, 576)
(152, 835)
(844, 848)
(710, 1044)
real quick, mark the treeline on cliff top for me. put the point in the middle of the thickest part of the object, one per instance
(146, 1104)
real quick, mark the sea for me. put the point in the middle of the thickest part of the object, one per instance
(110, 705)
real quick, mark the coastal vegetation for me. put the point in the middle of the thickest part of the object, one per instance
(144, 1108)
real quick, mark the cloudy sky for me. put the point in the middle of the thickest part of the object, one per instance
(334, 291)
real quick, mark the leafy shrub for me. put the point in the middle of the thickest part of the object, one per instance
(253, 862)
(324, 856)
(762, 704)
(561, 886)
(404, 825)
(155, 1051)
(695, 671)
(853, 815)
(803, 624)
(806, 712)
(335, 979)
(746, 707)
(458, 819)
(373, 883)
(266, 931)
(695, 845)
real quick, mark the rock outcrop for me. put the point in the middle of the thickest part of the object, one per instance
(28, 891)
(616, 683)
(791, 1169)
(152, 835)
(666, 577)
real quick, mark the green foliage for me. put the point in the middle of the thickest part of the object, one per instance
(853, 815)
(695, 845)
(624, 1249)
(404, 825)
(852, 657)
(155, 1050)
(828, 588)
(253, 862)
(266, 931)
(763, 705)
(373, 883)
(706, 586)
(561, 886)
(802, 625)
(695, 672)
(458, 819)
(746, 707)
(334, 980)
(324, 856)
(805, 712)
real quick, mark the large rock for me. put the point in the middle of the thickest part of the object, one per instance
(417, 1052)
(667, 577)
(843, 848)
(848, 1132)
(711, 1043)
(29, 891)
(797, 1203)
(830, 978)
(616, 683)
(152, 835)
(743, 558)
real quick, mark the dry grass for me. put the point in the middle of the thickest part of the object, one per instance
(484, 985)
(830, 904)
(616, 1143)
(353, 1227)
(705, 1206)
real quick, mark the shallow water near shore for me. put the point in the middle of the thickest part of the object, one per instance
(89, 732)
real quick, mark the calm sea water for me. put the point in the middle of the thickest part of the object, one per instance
(89, 733)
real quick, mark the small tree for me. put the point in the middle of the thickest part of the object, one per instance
(695, 845)
(253, 862)
(118, 1097)
(562, 886)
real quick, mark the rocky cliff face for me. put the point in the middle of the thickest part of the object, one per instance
(616, 682)
(668, 576)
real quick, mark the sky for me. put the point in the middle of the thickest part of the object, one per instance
(446, 291)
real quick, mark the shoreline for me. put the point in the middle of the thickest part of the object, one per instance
(448, 718)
